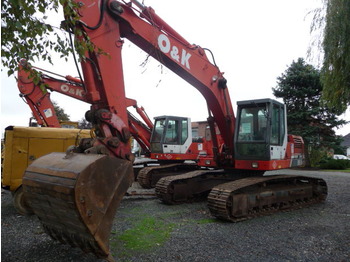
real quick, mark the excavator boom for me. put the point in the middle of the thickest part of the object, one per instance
(38, 97)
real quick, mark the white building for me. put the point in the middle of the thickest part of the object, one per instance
(346, 144)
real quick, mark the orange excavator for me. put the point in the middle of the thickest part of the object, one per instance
(76, 194)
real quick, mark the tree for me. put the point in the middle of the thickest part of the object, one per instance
(334, 21)
(61, 115)
(301, 90)
(83, 124)
(25, 32)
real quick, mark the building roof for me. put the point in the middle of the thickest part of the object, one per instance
(346, 141)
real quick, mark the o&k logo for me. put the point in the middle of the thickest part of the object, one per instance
(72, 91)
(165, 46)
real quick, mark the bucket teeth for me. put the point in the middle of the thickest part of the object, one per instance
(76, 198)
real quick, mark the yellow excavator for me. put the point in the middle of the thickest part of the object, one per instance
(23, 145)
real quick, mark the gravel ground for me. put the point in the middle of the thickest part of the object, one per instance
(317, 233)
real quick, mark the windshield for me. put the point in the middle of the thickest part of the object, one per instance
(158, 130)
(253, 124)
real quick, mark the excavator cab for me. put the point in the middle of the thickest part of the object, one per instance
(171, 135)
(260, 130)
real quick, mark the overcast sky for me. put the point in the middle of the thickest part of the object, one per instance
(253, 42)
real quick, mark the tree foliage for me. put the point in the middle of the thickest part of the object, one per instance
(61, 115)
(336, 46)
(83, 124)
(301, 90)
(25, 32)
(334, 21)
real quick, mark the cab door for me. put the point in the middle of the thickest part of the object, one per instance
(177, 137)
(278, 138)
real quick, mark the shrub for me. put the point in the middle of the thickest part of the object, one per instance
(317, 156)
(335, 164)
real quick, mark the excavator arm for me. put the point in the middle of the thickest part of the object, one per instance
(36, 93)
(149, 32)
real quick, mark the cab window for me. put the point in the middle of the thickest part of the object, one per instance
(277, 125)
(184, 132)
(158, 130)
(253, 124)
(171, 132)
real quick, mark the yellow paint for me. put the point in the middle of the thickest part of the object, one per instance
(25, 144)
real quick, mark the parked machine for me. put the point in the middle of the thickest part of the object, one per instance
(76, 194)
(22, 145)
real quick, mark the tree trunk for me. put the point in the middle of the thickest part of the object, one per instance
(307, 156)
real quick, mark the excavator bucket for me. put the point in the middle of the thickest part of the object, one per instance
(76, 197)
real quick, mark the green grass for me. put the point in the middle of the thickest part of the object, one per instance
(337, 170)
(146, 234)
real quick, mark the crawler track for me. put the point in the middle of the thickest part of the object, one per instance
(190, 186)
(149, 176)
(253, 197)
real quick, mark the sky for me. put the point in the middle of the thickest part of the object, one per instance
(253, 43)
